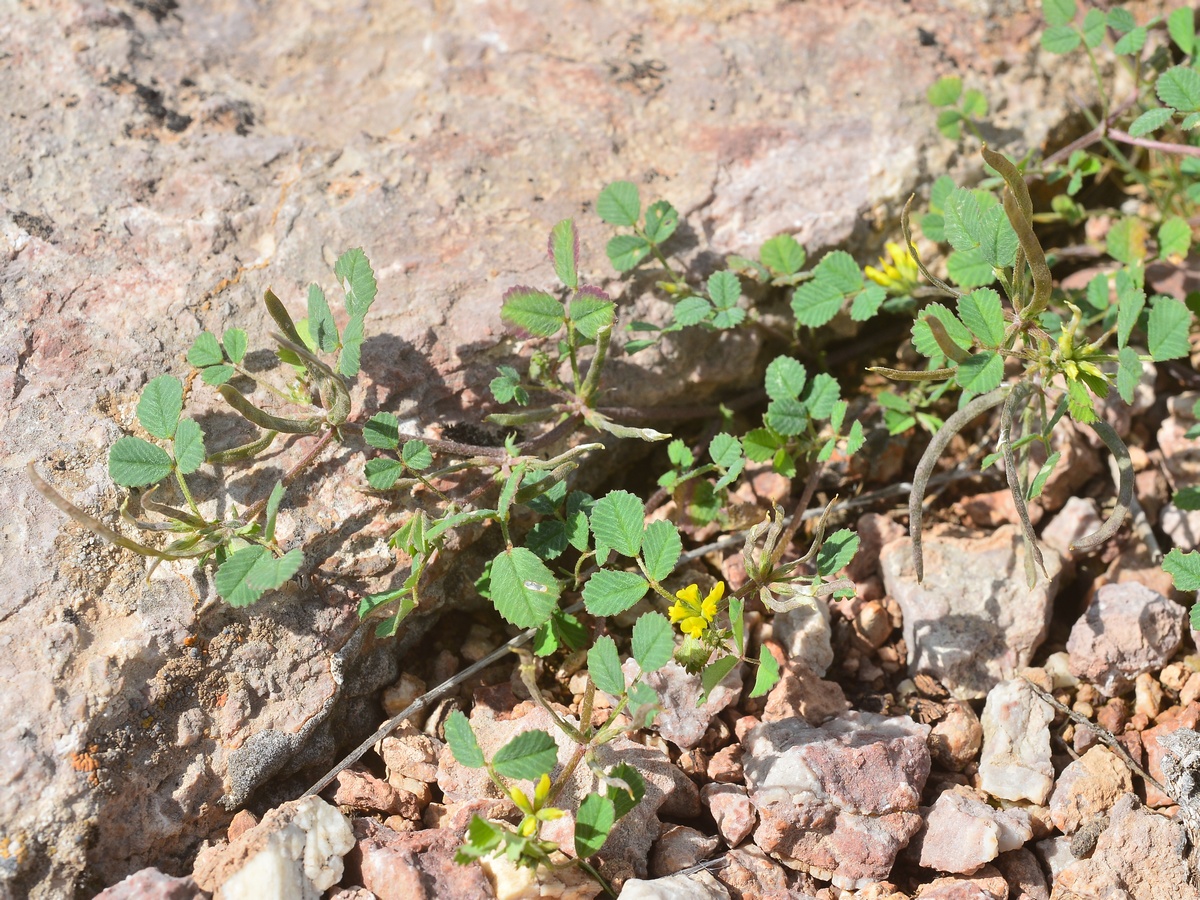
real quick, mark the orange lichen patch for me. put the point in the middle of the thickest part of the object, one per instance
(85, 761)
(222, 698)
(15, 848)
(189, 641)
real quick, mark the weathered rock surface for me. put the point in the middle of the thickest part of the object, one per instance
(1127, 629)
(417, 865)
(1140, 853)
(1015, 763)
(837, 801)
(683, 721)
(731, 809)
(698, 886)
(1088, 788)
(151, 884)
(804, 634)
(963, 833)
(974, 620)
(680, 847)
(170, 161)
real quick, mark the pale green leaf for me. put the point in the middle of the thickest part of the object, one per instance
(133, 462)
(653, 642)
(1043, 474)
(564, 252)
(1174, 237)
(821, 396)
(945, 91)
(867, 302)
(1179, 88)
(661, 548)
(1184, 569)
(785, 378)
(981, 372)
(1060, 39)
(593, 822)
(1181, 25)
(461, 738)
(627, 250)
(837, 551)
(529, 756)
(782, 255)
(619, 204)
(969, 268)
(982, 312)
(1168, 328)
(1150, 120)
(235, 343)
(816, 302)
(188, 446)
(205, 351)
(604, 666)
(725, 450)
(321, 326)
(161, 403)
(535, 311)
(661, 221)
(1058, 12)
(616, 522)
(692, 311)
(591, 312)
(609, 592)
(524, 591)
(1129, 373)
(767, 675)
(358, 280)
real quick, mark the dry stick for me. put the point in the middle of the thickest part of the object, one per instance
(1124, 489)
(1163, 146)
(1017, 396)
(797, 516)
(933, 452)
(1106, 737)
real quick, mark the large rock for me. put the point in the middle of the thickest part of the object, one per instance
(973, 621)
(169, 161)
(837, 801)
(1015, 763)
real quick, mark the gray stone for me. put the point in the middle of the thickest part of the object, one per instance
(1126, 630)
(680, 847)
(683, 720)
(805, 635)
(974, 621)
(1079, 517)
(151, 884)
(1015, 763)
(697, 886)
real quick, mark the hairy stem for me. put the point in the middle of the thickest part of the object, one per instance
(1120, 453)
(933, 452)
(1033, 552)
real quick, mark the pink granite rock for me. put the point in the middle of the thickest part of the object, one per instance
(962, 832)
(1015, 762)
(151, 884)
(1088, 788)
(731, 809)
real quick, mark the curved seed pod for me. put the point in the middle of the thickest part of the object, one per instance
(592, 380)
(95, 525)
(1120, 453)
(281, 316)
(243, 452)
(1021, 218)
(334, 396)
(937, 446)
(912, 249)
(945, 343)
(907, 375)
(151, 505)
(264, 419)
(1033, 553)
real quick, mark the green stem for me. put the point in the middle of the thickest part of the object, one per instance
(187, 494)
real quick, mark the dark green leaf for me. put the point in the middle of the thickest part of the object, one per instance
(604, 666)
(737, 622)
(867, 303)
(1187, 498)
(760, 444)
(785, 378)
(981, 372)
(1039, 480)
(661, 221)
(767, 675)
(1180, 88)
(593, 822)
(216, 375)
(692, 311)
(159, 407)
(627, 250)
(616, 522)
(782, 255)
(530, 755)
(626, 788)
(837, 551)
(816, 302)
(350, 359)
(205, 351)
(610, 592)
(821, 396)
(463, 744)
(383, 473)
(653, 642)
(1168, 329)
(1150, 120)
(272, 510)
(536, 311)
(661, 548)
(416, 455)
(189, 446)
(321, 326)
(382, 431)
(787, 417)
(725, 450)
(133, 462)
(714, 673)
(982, 312)
(524, 591)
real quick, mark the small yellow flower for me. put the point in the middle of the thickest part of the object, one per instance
(900, 275)
(693, 615)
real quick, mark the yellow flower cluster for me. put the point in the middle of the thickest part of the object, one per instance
(900, 275)
(693, 615)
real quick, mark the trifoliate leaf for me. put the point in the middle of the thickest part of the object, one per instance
(529, 756)
(1174, 238)
(1179, 88)
(604, 666)
(767, 675)
(981, 372)
(535, 311)
(1150, 120)
(653, 642)
(382, 431)
(619, 204)
(416, 455)
(839, 268)
(320, 320)
(271, 571)
(354, 272)
(949, 123)
(982, 313)
(564, 252)
(1184, 569)
(616, 522)
(235, 342)
(661, 221)
(1167, 329)
(205, 351)
(161, 403)
(189, 446)
(1132, 42)
(593, 822)
(945, 91)
(785, 378)
(661, 548)
(724, 289)
(506, 387)
(679, 454)
(610, 592)
(463, 744)
(1129, 373)
(251, 571)
(591, 310)
(782, 255)
(760, 444)
(524, 591)
(837, 551)
(627, 250)
(133, 462)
